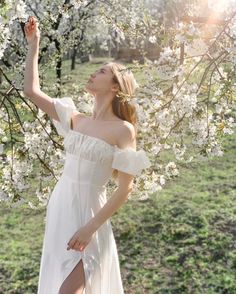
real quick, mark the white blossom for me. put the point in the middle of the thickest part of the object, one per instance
(197, 47)
(171, 169)
(152, 39)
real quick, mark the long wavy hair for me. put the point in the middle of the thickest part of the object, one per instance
(127, 87)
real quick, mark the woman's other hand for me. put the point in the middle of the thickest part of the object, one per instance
(80, 239)
(32, 32)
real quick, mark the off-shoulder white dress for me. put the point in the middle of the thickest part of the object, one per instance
(77, 196)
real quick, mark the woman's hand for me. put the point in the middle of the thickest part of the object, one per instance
(80, 239)
(32, 32)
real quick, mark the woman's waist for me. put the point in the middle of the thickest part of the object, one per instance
(101, 186)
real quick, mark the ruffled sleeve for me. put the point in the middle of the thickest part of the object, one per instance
(130, 161)
(64, 108)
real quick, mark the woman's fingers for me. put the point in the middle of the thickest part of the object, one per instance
(31, 18)
(80, 246)
(71, 243)
(29, 28)
(76, 245)
(32, 22)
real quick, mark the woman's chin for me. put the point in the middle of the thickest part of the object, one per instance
(87, 89)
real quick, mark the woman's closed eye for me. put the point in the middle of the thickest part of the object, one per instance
(102, 70)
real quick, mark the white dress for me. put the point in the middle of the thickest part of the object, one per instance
(77, 196)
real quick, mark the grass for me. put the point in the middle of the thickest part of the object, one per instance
(183, 239)
(180, 240)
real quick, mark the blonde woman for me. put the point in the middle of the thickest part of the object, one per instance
(79, 252)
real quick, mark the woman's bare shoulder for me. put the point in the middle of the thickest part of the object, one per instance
(126, 135)
(76, 117)
(78, 114)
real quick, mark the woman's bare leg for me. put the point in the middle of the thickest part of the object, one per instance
(75, 282)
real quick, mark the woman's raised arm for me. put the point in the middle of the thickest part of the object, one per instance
(31, 75)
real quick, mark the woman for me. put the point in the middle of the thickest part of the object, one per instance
(79, 251)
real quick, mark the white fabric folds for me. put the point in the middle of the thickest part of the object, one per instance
(130, 161)
(64, 108)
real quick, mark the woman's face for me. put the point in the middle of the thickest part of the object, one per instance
(101, 81)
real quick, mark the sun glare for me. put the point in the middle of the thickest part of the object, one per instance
(221, 5)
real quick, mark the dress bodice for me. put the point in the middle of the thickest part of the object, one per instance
(93, 149)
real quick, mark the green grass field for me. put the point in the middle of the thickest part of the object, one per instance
(181, 240)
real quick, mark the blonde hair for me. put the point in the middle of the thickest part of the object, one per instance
(121, 105)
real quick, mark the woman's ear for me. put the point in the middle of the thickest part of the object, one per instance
(115, 87)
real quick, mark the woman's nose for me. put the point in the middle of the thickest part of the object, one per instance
(92, 75)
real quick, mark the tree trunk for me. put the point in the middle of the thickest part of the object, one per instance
(73, 58)
(58, 67)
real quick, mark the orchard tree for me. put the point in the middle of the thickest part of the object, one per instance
(185, 103)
